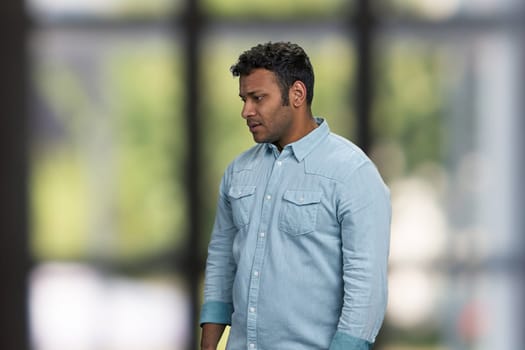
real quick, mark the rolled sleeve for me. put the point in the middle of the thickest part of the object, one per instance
(216, 312)
(343, 341)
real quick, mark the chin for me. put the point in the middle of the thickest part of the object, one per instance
(259, 139)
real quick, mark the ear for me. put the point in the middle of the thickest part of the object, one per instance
(297, 94)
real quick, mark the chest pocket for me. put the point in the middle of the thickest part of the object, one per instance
(242, 200)
(299, 212)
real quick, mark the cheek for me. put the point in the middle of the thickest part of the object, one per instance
(274, 115)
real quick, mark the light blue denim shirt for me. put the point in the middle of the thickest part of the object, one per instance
(298, 253)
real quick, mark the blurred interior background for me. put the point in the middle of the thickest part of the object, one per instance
(119, 117)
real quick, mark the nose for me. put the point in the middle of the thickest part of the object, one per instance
(247, 110)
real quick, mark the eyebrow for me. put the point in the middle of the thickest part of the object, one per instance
(251, 93)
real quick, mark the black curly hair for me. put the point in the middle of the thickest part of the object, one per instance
(286, 60)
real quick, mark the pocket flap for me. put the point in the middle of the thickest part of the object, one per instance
(302, 197)
(241, 191)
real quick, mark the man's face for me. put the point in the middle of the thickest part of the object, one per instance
(268, 120)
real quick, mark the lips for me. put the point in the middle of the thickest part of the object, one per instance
(253, 125)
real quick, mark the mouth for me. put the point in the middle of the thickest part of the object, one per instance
(253, 126)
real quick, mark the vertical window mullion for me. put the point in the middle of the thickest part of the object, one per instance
(193, 261)
(364, 24)
(13, 185)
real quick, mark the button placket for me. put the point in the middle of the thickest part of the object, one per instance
(253, 294)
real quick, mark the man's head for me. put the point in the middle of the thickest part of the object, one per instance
(287, 61)
(276, 87)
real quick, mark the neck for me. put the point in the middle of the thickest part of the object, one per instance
(306, 127)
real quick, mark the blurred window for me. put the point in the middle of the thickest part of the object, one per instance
(110, 152)
(108, 204)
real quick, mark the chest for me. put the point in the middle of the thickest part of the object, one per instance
(282, 195)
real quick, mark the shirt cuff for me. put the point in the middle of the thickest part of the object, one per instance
(343, 341)
(216, 312)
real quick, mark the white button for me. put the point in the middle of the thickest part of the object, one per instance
(256, 273)
(252, 346)
(301, 199)
(268, 197)
(279, 163)
(262, 234)
(252, 310)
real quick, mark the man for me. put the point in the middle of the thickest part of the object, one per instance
(298, 253)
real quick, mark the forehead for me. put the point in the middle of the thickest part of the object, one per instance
(258, 79)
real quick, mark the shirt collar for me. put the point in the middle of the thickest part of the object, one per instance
(302, 147)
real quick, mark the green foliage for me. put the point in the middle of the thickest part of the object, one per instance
(59, 213)
(58, 183)
(409, 107)
(109, 186)
(334, 65)
(149, 131)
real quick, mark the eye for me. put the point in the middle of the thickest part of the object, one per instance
(258, 98)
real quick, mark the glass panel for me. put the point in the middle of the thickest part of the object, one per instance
(49, 10)
(444, 121)
(106, 191)
(276, 8)
(444, 9)
(107, 146)
(224, 131)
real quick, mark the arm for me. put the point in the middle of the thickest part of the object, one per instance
(211, 334)
(217, 308)
(364, 214)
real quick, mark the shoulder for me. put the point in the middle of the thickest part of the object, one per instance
(336, 157)
(247, 159)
